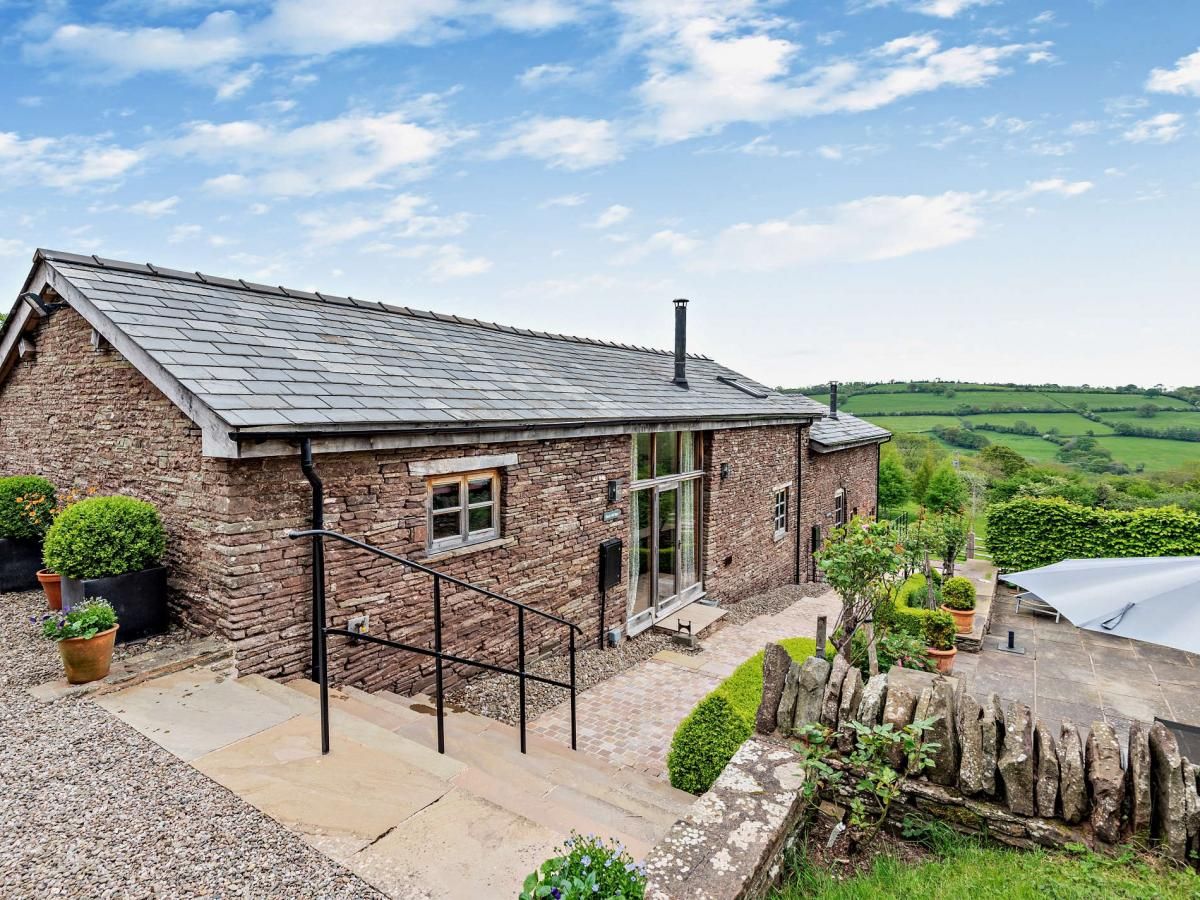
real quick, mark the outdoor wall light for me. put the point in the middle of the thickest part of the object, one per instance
(614, 485)
(726, 469)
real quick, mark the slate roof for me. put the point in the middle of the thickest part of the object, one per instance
(844, 431)
(270, 357)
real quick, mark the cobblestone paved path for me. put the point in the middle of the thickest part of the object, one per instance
(630, 718)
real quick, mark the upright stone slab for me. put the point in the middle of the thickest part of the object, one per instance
(1137, 782)
(848, 704)
(1168, 815)
(1047, 769)
(898, 711)
(1191, 805)
(775, 668)
(787, 701)
(1016, 759)
(1106, 781)
(970, 742)
(937, 703)
(814, 675)
(833, 691)
(991, 726)
(874, 695)
(1072, 782)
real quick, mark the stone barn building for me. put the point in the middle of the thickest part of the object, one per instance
(503, 456)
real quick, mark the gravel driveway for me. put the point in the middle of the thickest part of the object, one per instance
(90, 808)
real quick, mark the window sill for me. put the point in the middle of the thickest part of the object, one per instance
(780, 535)
(466, 549)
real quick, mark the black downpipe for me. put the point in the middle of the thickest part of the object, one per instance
(319, 671)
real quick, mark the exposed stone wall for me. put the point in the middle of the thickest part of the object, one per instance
(741, 553)
(552, 506)
(854, 470)
(999, 768)
(83, 417)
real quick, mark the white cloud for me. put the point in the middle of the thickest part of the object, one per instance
(154, 209)
(668, 241)
(563, 143)
(546, 74)
(614, 215)
(715, 71)
(942, 9)
(874, 228)
(443, 261)
(238, 83)
(184, 233)
(400, 218)
(564, 200)
(292, 28)
(13, 247)
(1183, 79)
(66, 162)
(357, 150)
(1160, 129)
(1059, 187)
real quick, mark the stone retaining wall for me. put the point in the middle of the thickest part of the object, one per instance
(998, 764)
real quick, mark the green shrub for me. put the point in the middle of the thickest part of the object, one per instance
(908, 610)
(588, 867)
(959, 593)
(1029, 532)
(21, 522)
(892, 648)
(706, 740)
(104, 536)
(85, 621)
(940, 630)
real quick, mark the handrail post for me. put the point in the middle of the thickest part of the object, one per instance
(571, 632)
(521, 668)
(320, 662)
(440, 700)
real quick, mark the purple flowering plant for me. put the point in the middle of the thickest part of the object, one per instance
(589, 868)
(84, 621)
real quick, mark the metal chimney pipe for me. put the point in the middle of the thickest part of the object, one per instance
(833, 399)
(680, 343)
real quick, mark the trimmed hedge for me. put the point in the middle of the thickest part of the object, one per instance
(1028, 532)
(14, 523)
(706, 740)
(909, 614)
(104, 536)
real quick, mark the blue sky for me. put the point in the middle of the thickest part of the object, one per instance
(851, 189)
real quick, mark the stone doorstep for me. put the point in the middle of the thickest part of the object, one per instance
(134, 670)
(702, 617)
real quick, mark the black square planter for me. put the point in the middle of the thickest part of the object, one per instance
(139, 599)
(20, 561)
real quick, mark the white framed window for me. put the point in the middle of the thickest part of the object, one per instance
(781, 511)
(463, 509)
(839, 507)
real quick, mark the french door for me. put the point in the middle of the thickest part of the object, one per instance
(664, 560)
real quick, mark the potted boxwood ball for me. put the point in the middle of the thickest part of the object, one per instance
(21, 533)
(939, 632)
(85, 638)
(112, 547)
(958, 599)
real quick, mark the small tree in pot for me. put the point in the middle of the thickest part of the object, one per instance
(939, 632)
(85, 637)
(112, 547)
(21, 534)
(958, 599)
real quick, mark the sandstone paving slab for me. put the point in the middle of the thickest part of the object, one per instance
(460, 848)
(196, 711)
(355, 794)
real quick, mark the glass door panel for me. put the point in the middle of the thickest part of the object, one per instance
(667, 520)
(688, 549)
(641, 559)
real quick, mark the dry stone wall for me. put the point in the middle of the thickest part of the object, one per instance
(999, 768)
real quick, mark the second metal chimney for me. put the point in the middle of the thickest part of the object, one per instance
(680, 343)
(833, 399)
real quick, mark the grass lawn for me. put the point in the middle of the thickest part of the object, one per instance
(1132, 401)
(860, 404)
(911, 424)
(963, 870)
(1157, 455)
(1172, 419)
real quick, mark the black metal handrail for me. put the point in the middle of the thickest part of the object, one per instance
(321, 631)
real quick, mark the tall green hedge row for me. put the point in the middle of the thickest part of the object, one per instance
(1028, 532)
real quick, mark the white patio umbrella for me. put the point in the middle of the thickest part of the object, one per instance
(1153, 599)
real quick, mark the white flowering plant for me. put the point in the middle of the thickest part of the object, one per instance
(589, 867)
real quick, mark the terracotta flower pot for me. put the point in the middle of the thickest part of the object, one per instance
(964, 619)
(52, 585)
(943, 658)
(88, 659)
